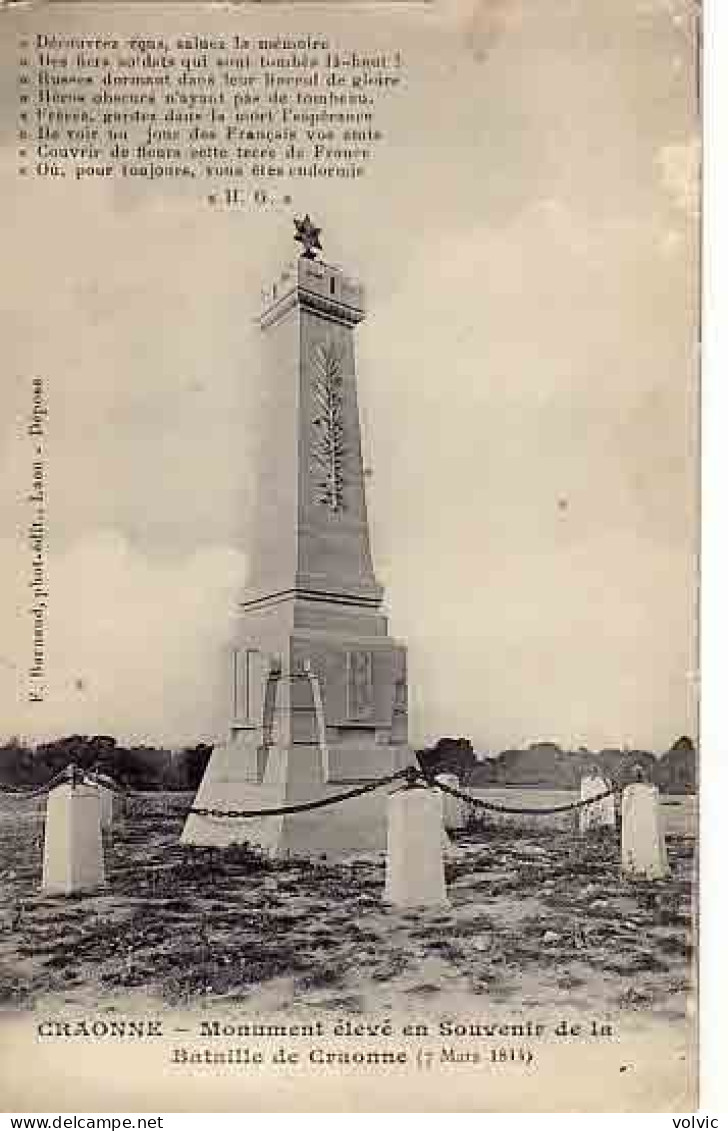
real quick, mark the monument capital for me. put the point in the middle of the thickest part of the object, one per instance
(314, 285)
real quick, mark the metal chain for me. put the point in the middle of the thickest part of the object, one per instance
(72, 774)
(92, 778)
(413, 776)
(304, 806)
(478, 802)
(36, 791)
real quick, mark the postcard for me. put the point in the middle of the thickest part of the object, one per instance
(349, 565)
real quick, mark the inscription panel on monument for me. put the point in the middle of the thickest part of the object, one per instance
(360, 686)
(248, 676)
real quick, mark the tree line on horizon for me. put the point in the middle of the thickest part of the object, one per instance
(136, 766)
(543, 764)
(547, 764)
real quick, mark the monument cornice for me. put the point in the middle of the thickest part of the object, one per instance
(368, 599)
(330, 308)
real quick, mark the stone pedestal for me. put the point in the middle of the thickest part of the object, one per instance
(454, 811)
(415, 875)
(319, 686)
(245, 775)
(643, 841)
(600, 814)
(73, 858)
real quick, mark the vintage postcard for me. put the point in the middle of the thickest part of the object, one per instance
(349, 571)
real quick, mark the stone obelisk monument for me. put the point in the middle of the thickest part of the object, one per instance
(320, 689)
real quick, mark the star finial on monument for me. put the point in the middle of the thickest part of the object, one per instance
(308, 234)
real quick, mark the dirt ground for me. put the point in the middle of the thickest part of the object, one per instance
(538, 918)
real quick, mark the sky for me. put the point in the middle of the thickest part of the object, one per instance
(527, 235)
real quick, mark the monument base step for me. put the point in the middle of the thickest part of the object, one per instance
(356, 826)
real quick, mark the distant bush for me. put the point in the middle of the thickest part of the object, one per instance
(139, 767)
(547, 765)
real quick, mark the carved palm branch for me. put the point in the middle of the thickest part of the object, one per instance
(327, 447)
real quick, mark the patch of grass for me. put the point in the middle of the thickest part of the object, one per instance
(193, 924)
(320, 976)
